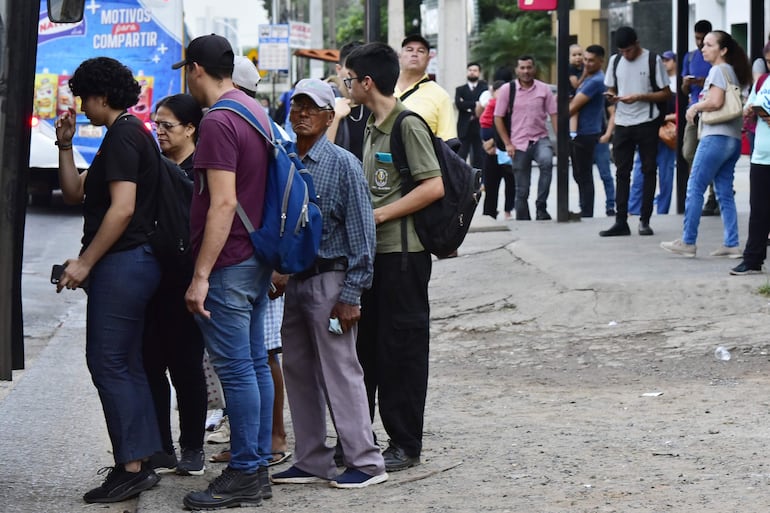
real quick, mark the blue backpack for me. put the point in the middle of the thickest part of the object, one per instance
(290, 235)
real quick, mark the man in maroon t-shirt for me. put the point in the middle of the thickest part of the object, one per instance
(228, 292)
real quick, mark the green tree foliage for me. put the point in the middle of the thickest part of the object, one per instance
(501, 42)
(350, 23)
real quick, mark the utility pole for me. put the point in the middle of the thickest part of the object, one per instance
(452, 43)
(316, 36)
(372, 20)
(20, 40)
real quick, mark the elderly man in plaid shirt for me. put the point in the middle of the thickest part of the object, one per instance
(320, 322)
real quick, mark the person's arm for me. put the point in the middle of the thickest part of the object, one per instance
(219, 221)
(712, 101)
(341, 111)
(426, 192)
(447, 121)
(114, 223)
(502, 132)
(578, 102)
(70, 180)
(605, 138)
(361, 235)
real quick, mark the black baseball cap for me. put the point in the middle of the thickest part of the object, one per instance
(415, 38)
(209, 51)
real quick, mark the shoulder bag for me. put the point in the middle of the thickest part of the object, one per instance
(732, 107)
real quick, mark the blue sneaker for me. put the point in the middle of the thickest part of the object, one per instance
(353, 478)
(293, 475)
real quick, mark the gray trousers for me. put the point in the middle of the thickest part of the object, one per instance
(321, 369)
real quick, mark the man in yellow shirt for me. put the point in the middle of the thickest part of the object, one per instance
(421, 94)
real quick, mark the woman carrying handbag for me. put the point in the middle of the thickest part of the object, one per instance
(720, 144)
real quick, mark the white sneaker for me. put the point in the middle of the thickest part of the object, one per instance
(221, 435)
(679, 247)
(212, 421)
(724, 251)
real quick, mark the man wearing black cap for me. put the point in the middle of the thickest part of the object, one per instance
(228, 292)
(629, 88)
(421, 94)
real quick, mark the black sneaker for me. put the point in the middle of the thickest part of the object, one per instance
(191, 463)
(264, 482)
(617, 229)
(542, 215)
(163, 462)
(396, 459)
(230, 489)
(644, 228)
(121, 485)
(743, 269)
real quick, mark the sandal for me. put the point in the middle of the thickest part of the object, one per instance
(279, 457)
(220, 457)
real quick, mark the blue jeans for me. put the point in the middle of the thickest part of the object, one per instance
(541, 152)
(235, 340)
(714, 161)
(602, 161)
(122, 284)
(666, 160)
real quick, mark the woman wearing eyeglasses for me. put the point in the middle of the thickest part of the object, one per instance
(172, 340)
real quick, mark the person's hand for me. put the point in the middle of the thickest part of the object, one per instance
(691, 113)
(75, 272)
(490, 147)
(348, 315)
(341, 108)
(279, 281)
(196, 296)
(65, 126)
(605, 138)
(627, 99)
(510, 150)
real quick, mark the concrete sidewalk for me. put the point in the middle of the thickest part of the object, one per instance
(54, 438)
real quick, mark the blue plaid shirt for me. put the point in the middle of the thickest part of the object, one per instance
(348, 218)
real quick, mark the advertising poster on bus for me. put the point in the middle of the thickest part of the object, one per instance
(145, 35)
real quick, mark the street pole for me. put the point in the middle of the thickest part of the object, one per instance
(372, 20)
(562, 102)
(395, 23)
(20, 40)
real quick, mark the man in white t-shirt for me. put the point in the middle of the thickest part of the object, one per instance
(630, 88)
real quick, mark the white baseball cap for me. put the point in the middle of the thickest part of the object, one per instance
(245, 73)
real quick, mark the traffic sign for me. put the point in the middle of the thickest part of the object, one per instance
(538, 5)
(274, 47)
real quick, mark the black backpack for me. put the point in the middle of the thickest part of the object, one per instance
(442, 225)
(170, 233)
(507, 118)
(662, 106)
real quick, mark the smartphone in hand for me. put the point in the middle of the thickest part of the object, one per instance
(56, 272)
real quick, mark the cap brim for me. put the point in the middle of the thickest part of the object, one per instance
(179, 64)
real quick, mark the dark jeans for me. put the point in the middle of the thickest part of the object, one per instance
(759, 215)
(122, 284)
(624, 144)
(493, 174)
(471, 145)
(393, 344)
(173, 341)
(583, 147)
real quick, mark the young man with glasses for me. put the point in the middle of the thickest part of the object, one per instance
(320, 364)
(393, 334)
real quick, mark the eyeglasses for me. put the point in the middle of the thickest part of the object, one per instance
(311, 109)
(349, 81)
(165, 125)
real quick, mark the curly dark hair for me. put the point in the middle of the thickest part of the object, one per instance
(103, 76)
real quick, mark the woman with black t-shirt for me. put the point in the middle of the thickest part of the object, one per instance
(118, 194)
(172, 339)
